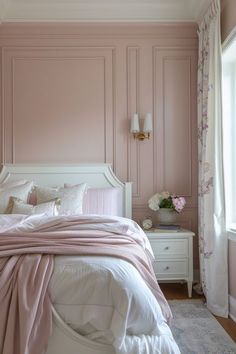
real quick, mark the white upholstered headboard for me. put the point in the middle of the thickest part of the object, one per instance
(95, 175)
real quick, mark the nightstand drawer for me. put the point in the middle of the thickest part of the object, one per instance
(168, 248)
(170, 269)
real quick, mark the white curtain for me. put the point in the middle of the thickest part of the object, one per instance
(212, 230)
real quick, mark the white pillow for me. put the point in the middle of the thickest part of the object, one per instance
(21, 192)
(71, 198)
(17, 206)
(14, 183)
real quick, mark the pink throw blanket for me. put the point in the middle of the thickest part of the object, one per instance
(26, 265)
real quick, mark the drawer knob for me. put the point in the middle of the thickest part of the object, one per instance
(166, 268)
(166, 248)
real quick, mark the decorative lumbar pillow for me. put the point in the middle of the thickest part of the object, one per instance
(19, 191)
(17, 206)
(71, 198)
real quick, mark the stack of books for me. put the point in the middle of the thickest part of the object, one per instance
(168, 227)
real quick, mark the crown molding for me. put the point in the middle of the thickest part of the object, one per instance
(100, 10)
(183, 32)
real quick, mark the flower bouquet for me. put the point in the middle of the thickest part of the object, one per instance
(168, 206)
(166, 200)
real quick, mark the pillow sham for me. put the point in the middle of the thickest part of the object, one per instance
(102, 201)
(22, 192)
(10, 184)
(71, 198)
(18, 206)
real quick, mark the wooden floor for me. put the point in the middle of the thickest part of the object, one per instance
(177, 291)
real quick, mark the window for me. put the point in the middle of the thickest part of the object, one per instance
(229, 128)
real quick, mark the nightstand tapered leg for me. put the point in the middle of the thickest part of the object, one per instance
(190, 286)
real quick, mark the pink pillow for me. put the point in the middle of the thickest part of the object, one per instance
(102, 201)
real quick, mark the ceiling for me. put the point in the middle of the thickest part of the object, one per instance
(102, 10)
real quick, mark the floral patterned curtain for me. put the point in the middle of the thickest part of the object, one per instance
(212, 231)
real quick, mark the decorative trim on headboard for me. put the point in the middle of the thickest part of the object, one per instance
(95, 175)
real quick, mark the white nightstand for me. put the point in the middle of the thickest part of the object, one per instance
(173, 251)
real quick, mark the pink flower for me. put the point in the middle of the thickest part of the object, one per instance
(178, 203)
(166, 200)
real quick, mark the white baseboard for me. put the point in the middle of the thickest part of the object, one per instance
(232, 308)
(232, 318)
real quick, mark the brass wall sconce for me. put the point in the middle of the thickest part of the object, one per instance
(147, 127)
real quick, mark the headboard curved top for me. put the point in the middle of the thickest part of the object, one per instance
(98, 175)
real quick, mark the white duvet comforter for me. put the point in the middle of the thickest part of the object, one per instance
(106, 300)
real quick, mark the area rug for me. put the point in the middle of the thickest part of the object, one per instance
(197, 331)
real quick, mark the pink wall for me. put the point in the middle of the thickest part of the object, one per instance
(69, 91)
(228, 17)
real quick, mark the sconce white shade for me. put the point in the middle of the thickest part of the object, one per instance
(147, 128)
(135, 124)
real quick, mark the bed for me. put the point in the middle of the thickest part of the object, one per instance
(103, 299)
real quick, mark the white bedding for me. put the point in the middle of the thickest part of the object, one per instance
(104, 298)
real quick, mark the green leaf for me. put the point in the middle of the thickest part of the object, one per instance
(166, 203)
